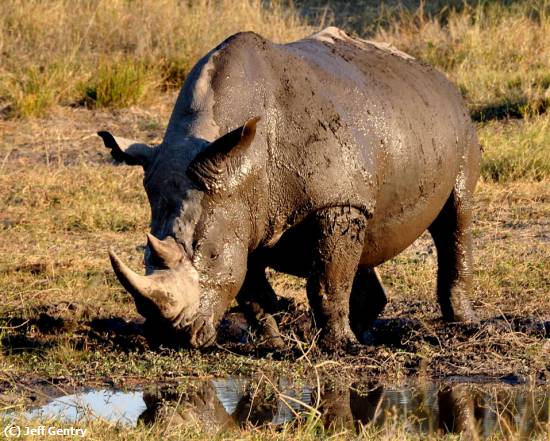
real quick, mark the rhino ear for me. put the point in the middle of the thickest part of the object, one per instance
(224, 158)
(126, 150)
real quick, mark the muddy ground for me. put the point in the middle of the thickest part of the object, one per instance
(65, 321)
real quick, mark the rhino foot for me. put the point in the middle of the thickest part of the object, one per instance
(466, 316)
(340, 343)
(457, 308)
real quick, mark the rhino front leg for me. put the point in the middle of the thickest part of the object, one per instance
(340, 235)
(336, 406)
(259, 303)
(368, 299)
(453, 240)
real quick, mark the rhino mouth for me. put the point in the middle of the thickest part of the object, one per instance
(195, 334)
(199, 333)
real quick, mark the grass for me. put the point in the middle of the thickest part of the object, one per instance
(113, 53)
(122, 49)
(499, 71)
(516, 151)
(117, 65)
(102, 430)
(121, 84)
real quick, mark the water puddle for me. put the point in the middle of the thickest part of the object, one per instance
(107, 404)
(424, 408)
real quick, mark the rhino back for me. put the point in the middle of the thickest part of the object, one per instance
(345, 122)
(404, 127)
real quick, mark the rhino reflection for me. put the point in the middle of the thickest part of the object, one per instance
(201, 405)
(478, 410)
(430, 408)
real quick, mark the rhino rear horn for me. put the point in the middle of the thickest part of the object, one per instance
(165, 253)
(127, 151)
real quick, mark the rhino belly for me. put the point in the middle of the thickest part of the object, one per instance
(387, 235)
(394, 227)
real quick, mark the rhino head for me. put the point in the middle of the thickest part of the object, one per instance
(201, 231)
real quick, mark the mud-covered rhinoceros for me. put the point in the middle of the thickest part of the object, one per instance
(320, 158)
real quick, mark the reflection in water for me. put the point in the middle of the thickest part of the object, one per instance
(227, 403)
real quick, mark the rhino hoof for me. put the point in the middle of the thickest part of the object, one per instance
(339, 344)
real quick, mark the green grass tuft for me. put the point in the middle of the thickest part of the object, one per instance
(31, 90)
(120, 84)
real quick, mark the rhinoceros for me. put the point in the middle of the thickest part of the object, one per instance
(321, 158)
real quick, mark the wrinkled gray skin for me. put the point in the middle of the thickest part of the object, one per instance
(358, 150)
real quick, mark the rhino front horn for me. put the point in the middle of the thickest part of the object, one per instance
(138, 286)
(165, 253)
(166, 292)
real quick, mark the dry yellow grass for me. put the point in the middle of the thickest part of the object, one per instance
(498, 52)
(114, 53)
(62, 204)
(516, 150)
(118, 53)
(498, 55)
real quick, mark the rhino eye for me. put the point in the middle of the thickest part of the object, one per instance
(214, 256)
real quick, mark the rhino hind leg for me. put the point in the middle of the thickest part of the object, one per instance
(259, 302)
(451, 232)
(367, 301)
(339, 235)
